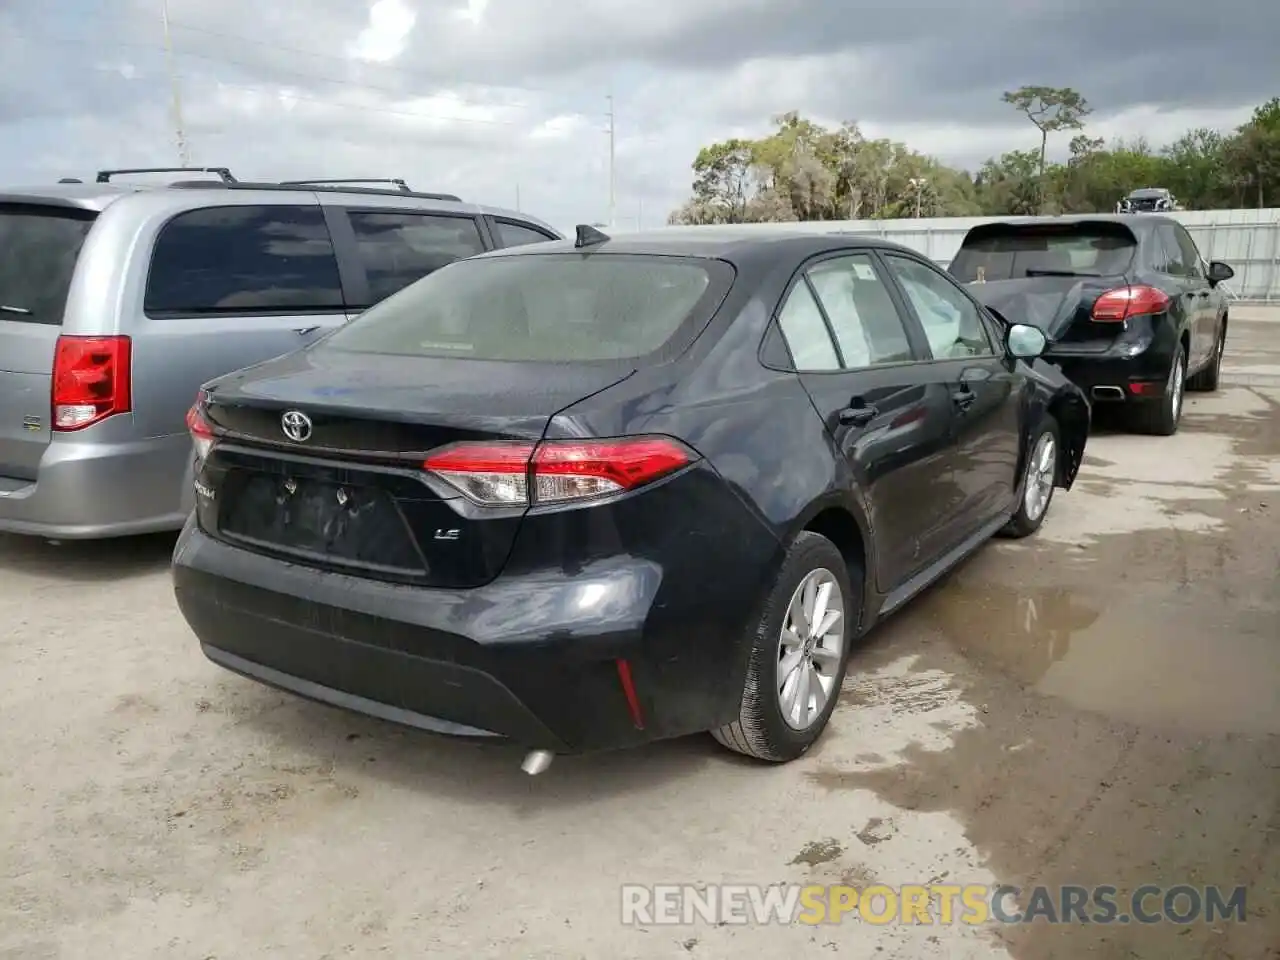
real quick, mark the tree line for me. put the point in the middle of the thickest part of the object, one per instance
(805, 171)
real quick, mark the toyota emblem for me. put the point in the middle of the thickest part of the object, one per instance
(296, 426)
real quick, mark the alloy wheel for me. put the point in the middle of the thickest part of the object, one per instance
(810, 648)
(1042, 468)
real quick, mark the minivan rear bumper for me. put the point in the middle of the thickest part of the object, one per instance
(97, 490)
(547, 660)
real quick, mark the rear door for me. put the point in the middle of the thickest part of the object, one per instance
(39, 247)
(396, 247)
(1207, 300)
(1181, 282)
(229, 287)
(888, 414)
(986, 394)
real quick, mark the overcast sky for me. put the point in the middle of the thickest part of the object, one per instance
(504, 99)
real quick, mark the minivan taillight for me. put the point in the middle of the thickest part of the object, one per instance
(556, 471)
(91, 380)
(1116, 306)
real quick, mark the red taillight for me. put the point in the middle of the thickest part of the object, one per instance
(91, 380)
(1116, 306)
(201, 431)
(556, 471)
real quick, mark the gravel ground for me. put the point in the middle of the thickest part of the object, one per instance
(1098, 705)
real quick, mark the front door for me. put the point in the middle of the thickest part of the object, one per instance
(888, 415)
(985, 392)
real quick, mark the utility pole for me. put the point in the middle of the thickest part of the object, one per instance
(518, 210)
(612, 180)
(184, 150)
(919, 183)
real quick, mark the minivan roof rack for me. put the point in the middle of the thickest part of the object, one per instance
(295, 186)
(394, 181)
(224, 175)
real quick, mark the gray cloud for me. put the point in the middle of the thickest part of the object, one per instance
(84, 87)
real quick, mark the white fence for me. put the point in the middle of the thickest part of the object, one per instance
(1249, 240)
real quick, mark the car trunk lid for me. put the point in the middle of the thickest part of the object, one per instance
(1060, 306)
(39, 248)
(347, 490)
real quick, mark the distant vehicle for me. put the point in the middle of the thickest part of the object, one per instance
(118, 300)
(1133, 313)
(588, 494)
(1148, 200)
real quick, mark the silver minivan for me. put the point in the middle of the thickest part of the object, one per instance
(118, 300)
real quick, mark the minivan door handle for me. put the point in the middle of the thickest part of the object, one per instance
(303, 331)
(858, 414)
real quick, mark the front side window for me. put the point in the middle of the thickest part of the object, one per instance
(543, 307)
(244, 259)
(398, 249)
(866, 324)
(951, 321)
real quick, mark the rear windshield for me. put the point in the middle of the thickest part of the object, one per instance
(1009, 252)
(545, 307)
(39, 247)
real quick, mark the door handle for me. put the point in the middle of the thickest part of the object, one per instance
(963, 398)
(303, 331)
(858, 416)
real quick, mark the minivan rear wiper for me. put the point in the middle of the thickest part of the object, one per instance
(1032, 272)
(6, 308)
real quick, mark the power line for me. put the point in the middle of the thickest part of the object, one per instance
(612, 154)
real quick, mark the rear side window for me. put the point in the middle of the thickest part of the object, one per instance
(39, 247)
(1013, 253)
(517, 235)
(544, 307)
(252, 259)
(400, 248)
(806, 332)
(1168, 254)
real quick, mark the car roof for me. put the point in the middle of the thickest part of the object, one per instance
(96, 197)
(733, 243)
(1136, 222)
(1143, 193)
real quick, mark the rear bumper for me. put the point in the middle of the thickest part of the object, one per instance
(1118, 375)
(531, 659)
(96, 490)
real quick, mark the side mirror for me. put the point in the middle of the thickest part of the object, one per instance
(1026, 342)
(1220, 272)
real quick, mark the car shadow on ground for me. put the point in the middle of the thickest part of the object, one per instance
(372, 755)
(86, 560)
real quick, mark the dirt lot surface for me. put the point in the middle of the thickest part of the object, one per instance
(1098, 705)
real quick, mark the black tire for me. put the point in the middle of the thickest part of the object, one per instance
(1161, 417)
(1206, 380)
(1024, 522)
(760, 730)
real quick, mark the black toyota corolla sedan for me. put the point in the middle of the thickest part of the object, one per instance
(585, 494)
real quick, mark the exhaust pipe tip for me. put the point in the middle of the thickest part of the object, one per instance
(536, 761)
(1108, 393)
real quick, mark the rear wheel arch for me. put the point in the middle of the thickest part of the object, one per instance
(840, 526)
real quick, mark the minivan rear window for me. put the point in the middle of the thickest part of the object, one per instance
(544, 307)
(1008, 251)
(39, 247)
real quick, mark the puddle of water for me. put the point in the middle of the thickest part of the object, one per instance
(1163, 659)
